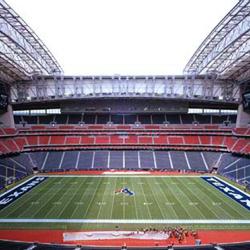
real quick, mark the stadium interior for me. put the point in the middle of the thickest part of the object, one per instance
(196, 123)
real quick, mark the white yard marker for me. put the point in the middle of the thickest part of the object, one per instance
(169, 203)
(79, 203)
(193, 203)
(101, 203)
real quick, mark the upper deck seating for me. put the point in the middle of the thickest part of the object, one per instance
(125, 119)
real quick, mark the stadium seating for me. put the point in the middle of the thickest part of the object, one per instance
(115, 159)
(126, 119)
(235, 168)
(127, 142)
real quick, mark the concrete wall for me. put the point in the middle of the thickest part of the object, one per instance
(7, 119)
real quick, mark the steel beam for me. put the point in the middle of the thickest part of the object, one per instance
(226, 49)
(21, 49)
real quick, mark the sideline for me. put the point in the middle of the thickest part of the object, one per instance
(123, 221)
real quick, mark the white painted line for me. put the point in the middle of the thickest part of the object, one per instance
(188, 164)
(241, 191)
(231, 164)
(19, 185)
(170, 160)
(204, 160)
(125, 176)
(124, 221)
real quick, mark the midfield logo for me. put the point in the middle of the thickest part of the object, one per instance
(234, 193)
(124, 191)
(15, 193)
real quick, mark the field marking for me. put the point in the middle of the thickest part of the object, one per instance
(93, 198)
(229, 184)
(35, 203)
(193, 203)
(155, 198)
(20, 185)
(220, 196)
(136, 213)
(167, 198)
(81, 198)
(145, 199)
(170, 203)
(21, 202)
(51, 199)
(217, 203)
(227, 193)
(113, 200)
(100, 203)
(198, 204)
(125, 176)
(79, 203)
(125, 221)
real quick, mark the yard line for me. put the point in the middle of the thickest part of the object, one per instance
(93, 197)
(126, 221)
(198, 195)
(73, 197)
(186, 197)
(103, 196)
(51, 198)
(155, 198)
(209, 190)
(176, 216)
(146, 201)
(115, 175)
(82, 199)
(113, 200)
(62, 197)
(13, 207)
(123, 207)
(175, 197)
(132, 183)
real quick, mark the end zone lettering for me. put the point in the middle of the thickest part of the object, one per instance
(234, 193)
(13, 194)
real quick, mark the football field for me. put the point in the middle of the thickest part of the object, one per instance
(103, 202)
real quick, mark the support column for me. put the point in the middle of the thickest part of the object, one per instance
(7, 118)
(243, 118)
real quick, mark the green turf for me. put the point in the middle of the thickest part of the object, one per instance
(93, 197)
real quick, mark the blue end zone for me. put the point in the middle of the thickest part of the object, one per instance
(15, 193)
(237, 195)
